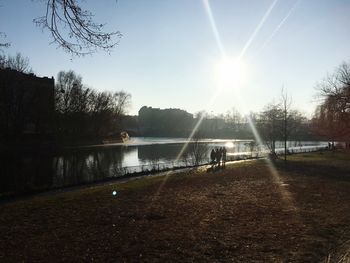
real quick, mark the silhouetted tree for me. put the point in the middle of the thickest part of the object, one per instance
(121, 103)
(280, 122)
(84, 35)
(73, 29)
(107, 110)
(286, 104)
(197, 150)
(85, 113)
(101, 115)
(165, 122)
(17, 62)
(270, 126)
(292, 120)
(234, 119)
(332, 117)
(252, 145)
(71, 104)
(2, 61)
(3, 44)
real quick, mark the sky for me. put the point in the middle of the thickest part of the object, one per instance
(171, 52)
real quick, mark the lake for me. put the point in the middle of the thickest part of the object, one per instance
(25, 173)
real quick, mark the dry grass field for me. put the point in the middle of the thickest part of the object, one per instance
(249, 212)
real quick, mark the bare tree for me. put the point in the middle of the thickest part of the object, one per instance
(122, 102)
(279, 121)
(3, 44)
(234, 119)
(3, 61)
(82, 111)
(85, 36)
(286, 102)
(332, 117)
(253, 146)
(19, 63)
(197, 150)
(73, 29)
(269, 125)
(67, 90)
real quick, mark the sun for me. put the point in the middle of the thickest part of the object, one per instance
(230, 73)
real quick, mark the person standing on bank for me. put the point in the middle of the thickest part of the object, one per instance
(218, 156)
(212, 158)
(224, 156)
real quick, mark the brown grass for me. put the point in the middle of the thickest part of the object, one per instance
(240, 214)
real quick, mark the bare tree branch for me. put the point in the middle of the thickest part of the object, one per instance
(4, 44)
(84, 35)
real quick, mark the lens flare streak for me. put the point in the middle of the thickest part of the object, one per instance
(286, 196)
(257, 29)
(274, 32)
(214, 27)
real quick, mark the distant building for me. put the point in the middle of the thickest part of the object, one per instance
(26, 104)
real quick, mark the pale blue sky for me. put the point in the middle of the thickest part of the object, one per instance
(168, 53)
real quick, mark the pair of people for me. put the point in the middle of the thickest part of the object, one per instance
(218, 154)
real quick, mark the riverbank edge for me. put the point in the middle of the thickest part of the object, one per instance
(12, 197)
(9, 198)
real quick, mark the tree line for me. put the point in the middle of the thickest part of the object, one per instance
(332, 116)
(277, 121)
(84, 113)
(79, 113)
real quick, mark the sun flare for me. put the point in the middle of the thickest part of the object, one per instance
(229, 145)
(230, 73)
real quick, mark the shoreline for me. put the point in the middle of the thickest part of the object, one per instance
(123, 178)
(241, 213)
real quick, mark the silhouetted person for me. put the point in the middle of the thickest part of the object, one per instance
(218, 156)
(224, 156)
(212, 158)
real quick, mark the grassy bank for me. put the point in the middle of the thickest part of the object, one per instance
(246, 212)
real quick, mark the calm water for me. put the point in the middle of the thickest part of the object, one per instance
(26, 173)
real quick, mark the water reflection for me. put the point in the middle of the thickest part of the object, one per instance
(159, 153)
(26, 172)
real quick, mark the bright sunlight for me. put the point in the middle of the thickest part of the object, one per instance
(230, 73)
